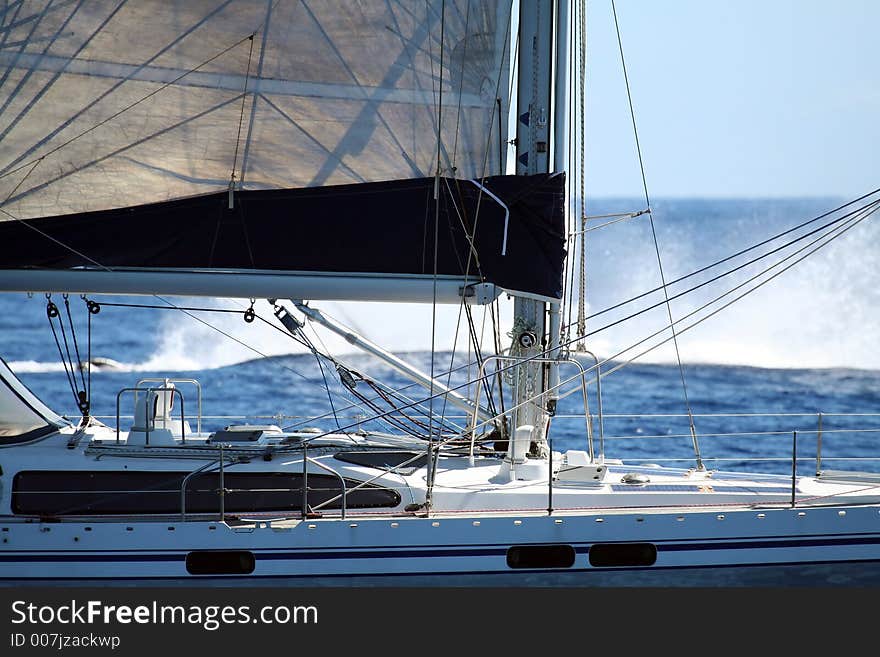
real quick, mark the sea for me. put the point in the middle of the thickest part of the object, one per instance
(786, 376)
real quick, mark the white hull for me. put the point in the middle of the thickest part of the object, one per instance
(105, 507)
(442, 545)
(673, 522)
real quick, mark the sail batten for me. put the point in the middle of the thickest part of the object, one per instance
(232, 82)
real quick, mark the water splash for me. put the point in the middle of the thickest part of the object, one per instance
(823, 312)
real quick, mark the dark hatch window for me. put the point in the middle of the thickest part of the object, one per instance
(58, 493)
(385, 460)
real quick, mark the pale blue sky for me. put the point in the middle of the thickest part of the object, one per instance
(735, 98)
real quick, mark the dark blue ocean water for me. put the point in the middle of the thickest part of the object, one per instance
(804, 344)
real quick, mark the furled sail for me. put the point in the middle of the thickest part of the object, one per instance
(504, 230)
(199, 121)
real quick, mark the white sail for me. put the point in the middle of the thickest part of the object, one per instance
(109, 104)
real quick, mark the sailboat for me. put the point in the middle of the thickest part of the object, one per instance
(300, 153)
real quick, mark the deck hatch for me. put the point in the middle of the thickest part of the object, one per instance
(60, 493)
(385, 460)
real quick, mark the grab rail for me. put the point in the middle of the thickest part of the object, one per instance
(202, 470)
(194, 382)
(146, 407)
(305, 503)
(475, 423)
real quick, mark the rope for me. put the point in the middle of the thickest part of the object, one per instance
(82, 375)
(571, 181)
(656, 244)
(467, 19)
(582, 262)
(830, 237)
(247, 77)
(51, 312)
(752, 248)
(844, 218)
(125, 109)
(542, 354)
(431, 461)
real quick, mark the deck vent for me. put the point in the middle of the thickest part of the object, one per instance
(607, 555)
(634, 478)
(220, 562)
(540, 556)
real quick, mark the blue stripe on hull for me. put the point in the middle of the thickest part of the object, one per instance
(855, 572)
(446, 552)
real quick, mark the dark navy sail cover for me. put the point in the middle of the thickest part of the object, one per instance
(382, 227)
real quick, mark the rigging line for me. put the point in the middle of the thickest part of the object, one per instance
(844, 218)
(52, 310)
(431, 461)
(388, 394)
(334, 412)
(828, 238)
(20, 183)
(610, 215)
(69, 359)
(264, 30)
(469, 235)
(478, 356)
(82, 375)
(353, 405)
(487, 150)
(625, 217)
(326, 384)
(157, 307)
(462, 305)
(842, 231)
(36, 19)
(501, 67)
(568, 279)
(50, 41)
(126, 108)
(400, 422)
(656, 244)
(495, 316)
(473, 257)
(325, 354)
(224, 333)
(472, 253)
(397, 392)
(467, 19)
(89, 319)
(94, 101)
(166, 301)
(8, 26)
(542, 354)
(121, 149)
(746, 250)
(582, 261)
(49, 84)
(313, 142)
(244, 95)
(830, 235)
(318, 355)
